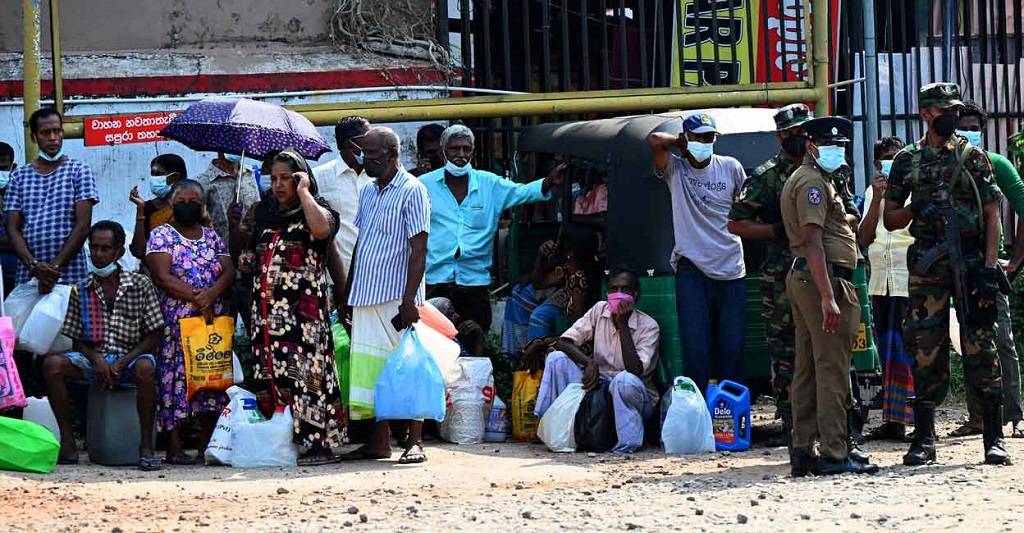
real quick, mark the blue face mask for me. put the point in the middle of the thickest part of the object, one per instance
(264, 182)
(234, 158)
(973, 137)
(158, 186)
(102, 272)
(830, 157)
(52, 158)
(700, 151)
(886, 167)
(5, 178)
(456, 170)
(360, 158)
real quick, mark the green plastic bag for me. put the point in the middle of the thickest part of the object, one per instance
(27, 447)
(342, 345)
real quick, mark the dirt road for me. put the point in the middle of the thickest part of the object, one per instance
(507, 487)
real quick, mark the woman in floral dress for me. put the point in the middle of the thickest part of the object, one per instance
(291, 339)
(191, 265)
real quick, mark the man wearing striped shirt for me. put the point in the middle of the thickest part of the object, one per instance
(386, 280)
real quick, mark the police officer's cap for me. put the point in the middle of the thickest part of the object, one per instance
(792, 116)
(944, 94)
(835, 129)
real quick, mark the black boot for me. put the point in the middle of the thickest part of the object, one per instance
(853, 450)
(995, 452)
(831, 467)
(802, 463)
(922, 448)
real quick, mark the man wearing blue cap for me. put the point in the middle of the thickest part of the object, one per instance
(707, 258)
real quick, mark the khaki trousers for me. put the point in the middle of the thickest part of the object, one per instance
(821, 377)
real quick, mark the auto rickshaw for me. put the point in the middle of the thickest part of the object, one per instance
(639, 232)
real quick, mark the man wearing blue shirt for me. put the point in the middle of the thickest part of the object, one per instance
(465, 205)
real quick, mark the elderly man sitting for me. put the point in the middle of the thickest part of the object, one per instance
(465, 205)
(625, 356)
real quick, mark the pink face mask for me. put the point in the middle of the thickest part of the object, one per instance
(615, 298)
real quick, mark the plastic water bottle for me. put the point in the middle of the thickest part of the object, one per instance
(497, 422)
(729, 404)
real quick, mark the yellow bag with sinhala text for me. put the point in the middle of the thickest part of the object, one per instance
(207, 351)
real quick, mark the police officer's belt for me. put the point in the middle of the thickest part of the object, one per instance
(838, 271)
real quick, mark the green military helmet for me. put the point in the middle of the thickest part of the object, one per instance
(944, 94)
(792, 116)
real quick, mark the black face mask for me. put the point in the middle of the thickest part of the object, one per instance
(188, 214)
(944, 125)
(375, 168)
(795, 145)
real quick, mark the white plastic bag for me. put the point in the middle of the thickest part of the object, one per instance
(556, 426)
(43, 325)
(469, 402)
(687, 426)
(219, 450)
(20, 302)
(266, 443)
(236, 369)
(444, 351)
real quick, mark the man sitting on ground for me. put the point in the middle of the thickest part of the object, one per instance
(626, 362)
(115, 322)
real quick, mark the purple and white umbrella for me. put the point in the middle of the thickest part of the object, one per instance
(243, 126)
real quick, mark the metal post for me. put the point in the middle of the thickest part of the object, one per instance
(819, 48)
(871, 84)
(57, 59)
(948, 27)
(30, 46)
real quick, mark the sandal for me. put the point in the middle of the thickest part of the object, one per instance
(361, 454)
(966, 430)
(149, 463)
(181, 459)
(1017, 432)
(413, 455)
(318, 458)
(67, 459)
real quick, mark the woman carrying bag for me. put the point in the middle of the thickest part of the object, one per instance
(191, 266)
(291, 337)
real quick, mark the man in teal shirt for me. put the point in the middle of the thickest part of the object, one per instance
(465, 206)
(971, 124)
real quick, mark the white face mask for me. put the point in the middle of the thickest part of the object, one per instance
(456, 170)
(830, 157)
(700, 151)
(52, 158)
(5, 178)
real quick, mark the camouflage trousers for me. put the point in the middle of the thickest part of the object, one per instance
(780, 336)
(926, 337)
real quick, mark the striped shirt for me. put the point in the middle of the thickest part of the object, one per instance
(386, 220)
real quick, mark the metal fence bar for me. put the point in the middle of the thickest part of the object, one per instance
(908, 124)
(465, 32)
(527, 57)
(714, 44)
(584, 46)
(545, 47)
(606, 76)
(623, 46)
(642, 36)
(566, 75)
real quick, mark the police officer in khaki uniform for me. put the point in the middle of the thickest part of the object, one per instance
(826, 309)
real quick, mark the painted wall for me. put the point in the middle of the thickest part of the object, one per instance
(119, 168)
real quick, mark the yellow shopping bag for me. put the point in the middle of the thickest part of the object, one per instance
(525, 386)
(207, 349)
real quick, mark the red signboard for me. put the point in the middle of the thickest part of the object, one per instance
(126, 129)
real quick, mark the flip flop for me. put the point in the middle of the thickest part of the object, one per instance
(359, 454)
(410, 457)
(182, 459)
(1017, 432)
(965, 430)
(318, 458)
(149, 463)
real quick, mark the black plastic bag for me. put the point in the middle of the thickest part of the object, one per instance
(594, 427)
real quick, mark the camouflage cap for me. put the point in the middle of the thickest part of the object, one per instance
(944, 94)
(792, 116)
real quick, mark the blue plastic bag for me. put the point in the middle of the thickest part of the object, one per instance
(410, 385)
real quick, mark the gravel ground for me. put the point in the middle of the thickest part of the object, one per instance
(508, 486)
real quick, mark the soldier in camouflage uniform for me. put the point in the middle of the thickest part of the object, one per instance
(756, 215)
(939, 171)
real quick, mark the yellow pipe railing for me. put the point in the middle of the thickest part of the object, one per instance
(32, 54)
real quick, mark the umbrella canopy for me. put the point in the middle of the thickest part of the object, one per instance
(237, 125)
